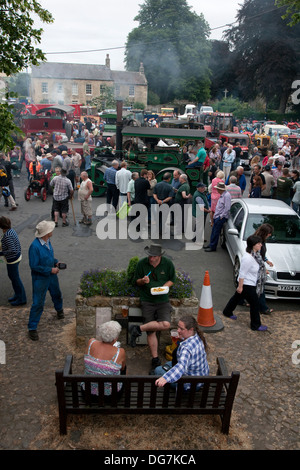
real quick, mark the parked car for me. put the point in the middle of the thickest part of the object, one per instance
(283, 248)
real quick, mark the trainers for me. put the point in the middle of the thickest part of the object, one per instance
(134, 334)
(60, 314)
(33, 335)
(262, 328)
(65, 224)
(155, 362)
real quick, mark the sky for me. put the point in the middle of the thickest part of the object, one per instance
(103, 27)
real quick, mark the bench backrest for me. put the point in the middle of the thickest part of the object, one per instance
(140, 392)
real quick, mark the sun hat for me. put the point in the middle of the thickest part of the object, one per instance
(221, 186)
(154, 250)
(43, 228)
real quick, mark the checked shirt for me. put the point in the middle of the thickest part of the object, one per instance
(191, 357)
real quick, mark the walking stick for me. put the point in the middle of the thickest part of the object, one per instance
(73, 211)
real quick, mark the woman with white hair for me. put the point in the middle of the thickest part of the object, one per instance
(105, 357)
(215, 196)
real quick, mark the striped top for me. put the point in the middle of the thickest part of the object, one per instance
(94, 366)
(234, 191)
(11, 248)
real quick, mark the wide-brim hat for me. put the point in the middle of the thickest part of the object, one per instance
(43, 228)
(154, 250)
(64, 152)
(221, 186)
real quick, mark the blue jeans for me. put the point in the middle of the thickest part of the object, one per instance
(13, 274)
(40, 286)
(215, 233)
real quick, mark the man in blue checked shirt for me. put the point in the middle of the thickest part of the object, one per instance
(191, 354)
(112, 193)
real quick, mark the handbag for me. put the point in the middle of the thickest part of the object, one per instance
(123, 211)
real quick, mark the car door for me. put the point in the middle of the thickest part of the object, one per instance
(235, 221)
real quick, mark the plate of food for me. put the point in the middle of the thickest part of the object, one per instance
(159, 290)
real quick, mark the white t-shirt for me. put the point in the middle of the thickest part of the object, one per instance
(248, 270)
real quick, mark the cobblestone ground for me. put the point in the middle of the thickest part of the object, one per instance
(266, 411)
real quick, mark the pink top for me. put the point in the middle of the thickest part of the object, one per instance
(214, 193)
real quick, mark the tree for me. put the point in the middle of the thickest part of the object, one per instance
(105, 100)
(171, 41)
(18, 39)
(292, 10)
(222, 71)
(265, 51)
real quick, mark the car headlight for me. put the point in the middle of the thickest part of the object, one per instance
(271, 275)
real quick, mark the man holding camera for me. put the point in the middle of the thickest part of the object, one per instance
(44, 270)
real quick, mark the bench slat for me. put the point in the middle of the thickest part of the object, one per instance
(140, 395)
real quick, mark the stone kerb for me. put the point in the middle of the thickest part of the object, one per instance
(93, 311)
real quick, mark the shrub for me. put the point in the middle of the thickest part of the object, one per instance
(116, 284)
(131, 270)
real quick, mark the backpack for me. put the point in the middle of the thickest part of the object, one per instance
(3, 176)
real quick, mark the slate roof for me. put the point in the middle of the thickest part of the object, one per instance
(61, 71)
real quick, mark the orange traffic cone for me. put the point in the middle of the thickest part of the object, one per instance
(205, 312)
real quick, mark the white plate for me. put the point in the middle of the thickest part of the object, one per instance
(159, 290)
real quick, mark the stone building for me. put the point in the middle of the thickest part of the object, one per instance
(61, 83)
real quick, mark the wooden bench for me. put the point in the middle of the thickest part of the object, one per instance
(141, 395)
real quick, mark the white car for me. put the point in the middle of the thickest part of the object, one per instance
(283, 248)
(206, 110)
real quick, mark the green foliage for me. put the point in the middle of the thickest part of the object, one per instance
(106, 100)
(292, 10)
(8, 127)
(110, 283)
(265, 53)
(182, 287)
(107, 283)
(171, 41)
(18, 51)
(18, 34)
(131, 269)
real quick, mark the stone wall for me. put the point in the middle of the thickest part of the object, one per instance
(92, 311)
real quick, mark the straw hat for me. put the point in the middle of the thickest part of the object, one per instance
(43, 228)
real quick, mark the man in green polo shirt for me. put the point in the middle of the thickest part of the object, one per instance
(153, 271)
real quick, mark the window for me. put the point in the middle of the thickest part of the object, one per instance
(117, 90)
(131, 90)
(74, 88)
(60, 88)
(102, 89)
(44, 88)
(88, 89)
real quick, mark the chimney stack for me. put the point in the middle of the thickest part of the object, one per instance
(107, 61)
(142, 71)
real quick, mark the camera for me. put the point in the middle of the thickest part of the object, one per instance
(61, 265)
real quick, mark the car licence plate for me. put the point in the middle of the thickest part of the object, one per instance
(290, 288)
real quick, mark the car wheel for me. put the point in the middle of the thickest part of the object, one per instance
(222, 238)
(236, 270)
